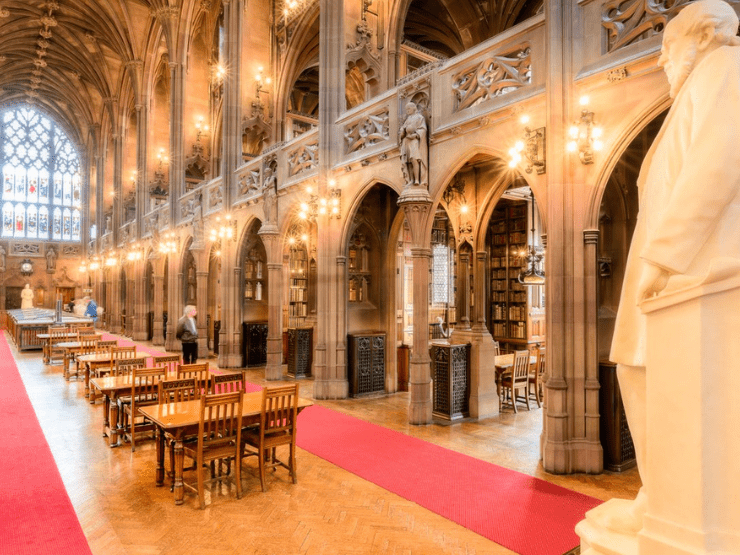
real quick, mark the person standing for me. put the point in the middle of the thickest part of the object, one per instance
(187, 333)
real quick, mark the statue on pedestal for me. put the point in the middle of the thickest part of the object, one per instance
(2, 258)
(27, 297)
(689, 187)
(414, 148)
(51, 259)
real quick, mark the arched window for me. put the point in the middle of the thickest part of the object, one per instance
(41, 174)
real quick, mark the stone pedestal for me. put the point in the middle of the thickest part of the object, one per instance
(693, 416)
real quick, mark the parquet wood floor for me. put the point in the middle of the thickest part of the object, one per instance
(329, 511)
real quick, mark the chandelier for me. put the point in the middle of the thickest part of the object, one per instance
(533, 274)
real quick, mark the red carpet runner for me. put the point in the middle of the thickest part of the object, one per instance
(36, 515)
(522, 513)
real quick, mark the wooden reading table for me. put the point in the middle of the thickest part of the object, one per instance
(503, 364)
(179, 420)
(93, 362)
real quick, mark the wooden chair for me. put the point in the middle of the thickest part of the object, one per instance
(85, 330)
(58, 334)
(227, 383)
(88, 345)
(176, 390)
(496, 349)
(169, 361)
(219, 438)
(199, 372)
(537, 378)
(277, 427)
(124, 366)
(518, 379)
(108, 343)
(144, 390)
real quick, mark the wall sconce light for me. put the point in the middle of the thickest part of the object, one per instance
(219, 72)
(261, 81)
(585, 135)
(134, 253)
(111, 260)
(94, 264)
(223, 230)
(168, 244)
(201, 128)
(83, 268)
(162, 158)
(322, 205)
(531, 147)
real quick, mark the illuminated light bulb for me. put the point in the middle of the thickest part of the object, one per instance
(309, 189)
(218, 218)
(519, 146)
(302, 215)
(512, 152)
(332, 183)
(584, 100)
(572, 146)
(524, 120)
(218, 253)
(512, 164)
(291, 241)
(596, 132)
(573, 131)
(464, 209)
(335, 201)
(268, 80)
(598, 145)
(304, 237)
(228, 217)
(322, 210)
(304, 207)
(323, 202)
(335, 210)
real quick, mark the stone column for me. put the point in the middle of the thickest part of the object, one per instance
(416, 205)
(131, 301)
(329, 367)
(271, 239)
(117, 187)
(463, 301)
(202, 308)
(140, 301)
(230, 343)
(158, 307)
(174, 301)
(591, 302)
(177, 161)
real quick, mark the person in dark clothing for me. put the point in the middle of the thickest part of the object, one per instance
(187, 333)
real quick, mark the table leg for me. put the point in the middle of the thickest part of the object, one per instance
(160, 457)
(179, 456)
(106, 411)
(87, 379)
(114, 422)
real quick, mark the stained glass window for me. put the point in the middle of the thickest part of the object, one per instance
(440, 274)
(41, 185)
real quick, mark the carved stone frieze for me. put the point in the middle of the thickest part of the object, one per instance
(249, 183)
(495, 76)
(617, 74)
(303, 158)
(368, 131)
(71, 250)
(216, 196)
(25, 249)
(630, 21)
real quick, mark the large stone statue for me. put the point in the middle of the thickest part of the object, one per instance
(689, 188)
(199, 236)
(2, 258)
(51, 259)
(27, 297)
(414, 147)
(269, 194)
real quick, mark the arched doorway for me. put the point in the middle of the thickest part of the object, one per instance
(254, 296)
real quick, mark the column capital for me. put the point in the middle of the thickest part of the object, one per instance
(421, 252)
(591, 236)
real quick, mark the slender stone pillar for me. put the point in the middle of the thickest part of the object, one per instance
(416, 205)
(131, 302)
(463, 283)
(202, 308)
(271, 239)
(177, 139)
(592, 419)
(117, 187)
(157, 308)
(174, 302)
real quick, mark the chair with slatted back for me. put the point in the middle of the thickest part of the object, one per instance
(227, 383)
(88, 345)
(219, 439)
(123, 366)
(537, 378)
(496, 349)
(277, 428)
(144, 390)
(108, 343)
(85, 330)
(518, 379)
(198, 371)
(177, 390)
(57, 334)
(170, 361)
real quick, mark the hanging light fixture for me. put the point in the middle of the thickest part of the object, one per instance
(533, 274)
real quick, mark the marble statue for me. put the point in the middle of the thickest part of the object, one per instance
(198, 225)
(51, 259)
(414, 147)
(689, 218)
(269, 195)
(27, 297)
(2, 258)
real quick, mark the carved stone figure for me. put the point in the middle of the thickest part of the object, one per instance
(269, 195)
(689, 215)
(27, 297)
(198, 226)
(414, 147)
(2, 258)
(51, 259)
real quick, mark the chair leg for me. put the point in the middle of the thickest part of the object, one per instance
(292, 463)
(262, 470)
(526, 396)
(201, 492)
(238, 472)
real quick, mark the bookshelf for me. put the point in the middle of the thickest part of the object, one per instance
(254, 277)
(516, 317)
(298, 287)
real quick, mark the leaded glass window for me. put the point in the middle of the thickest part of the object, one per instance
(41, 178)
(440, 274)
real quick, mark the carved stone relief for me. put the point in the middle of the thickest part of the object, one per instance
(216, 196)
(305, 157)
(367, 132)
(249, 183)
(25, 249)
(71, 250)
(492, 77)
